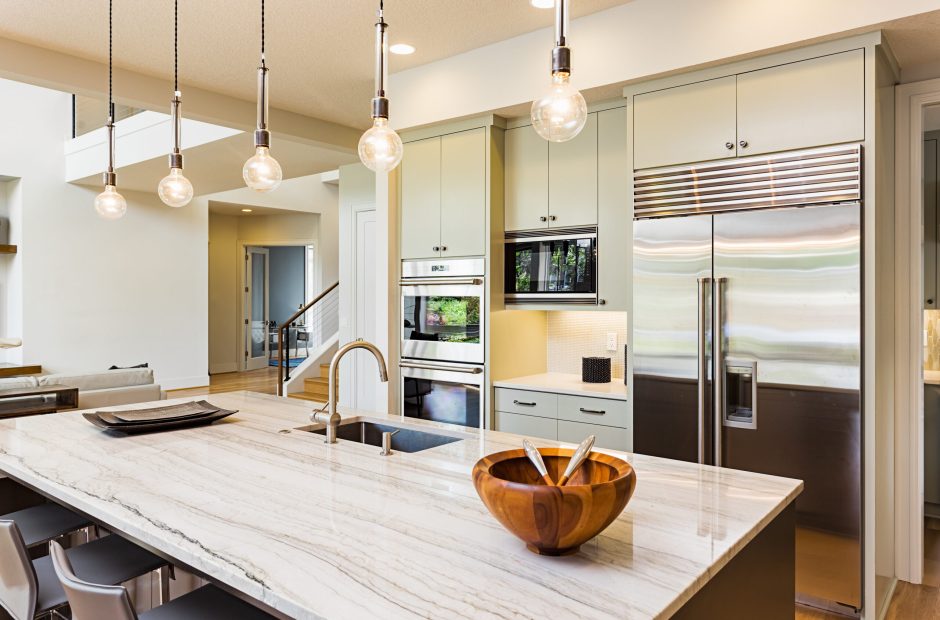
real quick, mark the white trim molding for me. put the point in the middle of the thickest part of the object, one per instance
(911, 99)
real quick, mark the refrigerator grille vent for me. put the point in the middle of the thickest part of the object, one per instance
(826, 175)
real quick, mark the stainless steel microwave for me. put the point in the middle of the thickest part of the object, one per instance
(551, 266)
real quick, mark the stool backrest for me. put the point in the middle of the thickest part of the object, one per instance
(18, 589)
(89, 601)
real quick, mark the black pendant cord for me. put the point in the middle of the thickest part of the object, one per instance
(110, 45)
(262, 33)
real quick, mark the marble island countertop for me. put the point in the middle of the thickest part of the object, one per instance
(564, 383)
(338, 531)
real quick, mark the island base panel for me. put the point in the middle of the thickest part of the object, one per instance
(759, 582)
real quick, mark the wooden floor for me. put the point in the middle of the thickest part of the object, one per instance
(263, 380)
(909, 601)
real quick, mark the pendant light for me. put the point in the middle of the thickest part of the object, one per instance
(380, 148)
(175, 190)
(262, 173)
(109, 204)
(560, 114)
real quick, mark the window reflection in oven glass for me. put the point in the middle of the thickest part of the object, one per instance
(442, 401)
(442, 319)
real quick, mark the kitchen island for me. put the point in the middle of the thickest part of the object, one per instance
(339, 531)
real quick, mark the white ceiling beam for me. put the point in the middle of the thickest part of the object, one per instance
(63, 72)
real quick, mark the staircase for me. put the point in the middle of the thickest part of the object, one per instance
(317, 389)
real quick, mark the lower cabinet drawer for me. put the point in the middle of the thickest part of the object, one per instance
(603, 411)
(606, 436)
(545, 428)
(526, 402)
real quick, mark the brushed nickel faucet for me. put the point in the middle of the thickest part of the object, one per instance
(328, 414)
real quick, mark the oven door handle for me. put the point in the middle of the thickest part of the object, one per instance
(433, 281)
(468, 371)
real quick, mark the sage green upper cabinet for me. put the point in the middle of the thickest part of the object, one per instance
(802, 104)
(463, 193)
(526, 179)
(615, 221)
(685, 124)
(421, 199)
(443, 196)
(572, 179)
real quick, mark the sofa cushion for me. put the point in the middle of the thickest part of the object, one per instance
(100, 380)
(18, 383)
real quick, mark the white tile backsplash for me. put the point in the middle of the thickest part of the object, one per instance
(572, 335)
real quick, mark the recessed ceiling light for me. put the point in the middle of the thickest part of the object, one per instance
(246, 210)
(543, 4)
(403, 49)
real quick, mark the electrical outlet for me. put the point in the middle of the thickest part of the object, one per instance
(611, 341)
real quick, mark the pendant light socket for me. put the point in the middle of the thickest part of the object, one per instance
(561, 59)
(262, 138)
(379, 107)
(109, 178)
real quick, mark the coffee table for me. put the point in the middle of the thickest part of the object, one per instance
(20, 402)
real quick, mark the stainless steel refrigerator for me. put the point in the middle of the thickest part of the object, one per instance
(748, 271)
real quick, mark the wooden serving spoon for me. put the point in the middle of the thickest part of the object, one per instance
(536, 457)
(576, 459)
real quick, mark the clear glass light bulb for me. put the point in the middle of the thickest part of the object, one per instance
(175, 190)
(380, 148)
(262, 173)
(560, 114)
(110, 204)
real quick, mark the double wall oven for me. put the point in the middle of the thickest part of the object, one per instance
(442, 336)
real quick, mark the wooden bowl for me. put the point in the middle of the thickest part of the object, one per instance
(554, 520)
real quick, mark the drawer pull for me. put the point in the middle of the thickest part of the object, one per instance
(523, 403)
(594, 411)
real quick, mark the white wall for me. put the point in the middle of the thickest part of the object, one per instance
(629, 42)
(11, 271)
(96, 292)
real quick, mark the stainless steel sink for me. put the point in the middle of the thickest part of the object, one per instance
(403, 440)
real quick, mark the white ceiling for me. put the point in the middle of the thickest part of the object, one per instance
(320, 53)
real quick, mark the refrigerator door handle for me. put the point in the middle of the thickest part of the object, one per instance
(718, 372)
(704, 284)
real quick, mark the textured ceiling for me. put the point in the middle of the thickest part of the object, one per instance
(320, 53)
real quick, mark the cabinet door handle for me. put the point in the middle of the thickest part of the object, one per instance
(436, 248)
(594, 411)
(522, 403)
(601, 302)
(930, 301)
(542, 218)
(443, 248)
(552, 218)
(729, 145)
(743, 144)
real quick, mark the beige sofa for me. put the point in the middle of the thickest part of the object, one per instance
(98, 389)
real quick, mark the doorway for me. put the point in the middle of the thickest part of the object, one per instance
(257, 308)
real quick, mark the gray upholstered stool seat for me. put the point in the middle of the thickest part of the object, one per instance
(40, 524)
(29, 588)
(90, 599)
(206, 602)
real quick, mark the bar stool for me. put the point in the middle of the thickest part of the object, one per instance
(40, 524)
(30, 588)
(97, 600)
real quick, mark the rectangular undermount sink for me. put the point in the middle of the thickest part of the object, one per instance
(370, 433)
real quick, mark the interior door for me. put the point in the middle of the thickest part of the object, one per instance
(789, 286)
(364, 378)
(257, 344)
(931, 222)
(672, 261)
